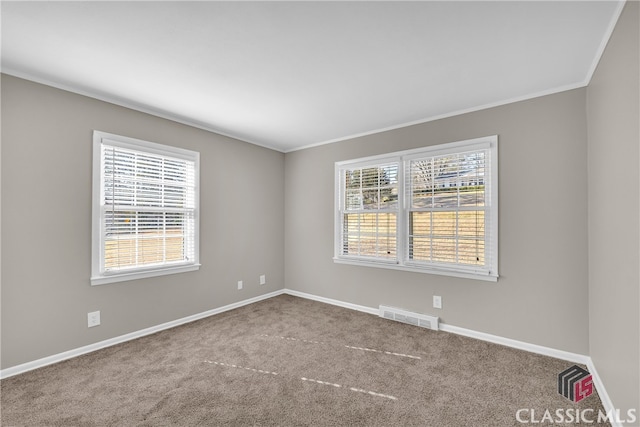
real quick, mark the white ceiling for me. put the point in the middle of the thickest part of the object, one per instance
(288, 75)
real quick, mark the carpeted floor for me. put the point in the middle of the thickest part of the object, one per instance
(287, 361)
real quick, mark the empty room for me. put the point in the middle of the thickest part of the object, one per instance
(320, 213)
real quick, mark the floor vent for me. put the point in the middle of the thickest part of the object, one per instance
(422, 320)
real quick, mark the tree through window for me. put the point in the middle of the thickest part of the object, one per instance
(432, 209)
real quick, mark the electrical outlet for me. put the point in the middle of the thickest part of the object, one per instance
(437, 301)
(263, 279)
(93, 319)
(239, 284)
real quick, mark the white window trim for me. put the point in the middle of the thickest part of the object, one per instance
(99, 277)
(402, 228)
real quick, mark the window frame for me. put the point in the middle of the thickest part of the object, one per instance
(377, 161)
(98, 274)
(402, 261)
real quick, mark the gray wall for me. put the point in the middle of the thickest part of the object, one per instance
(614, 213)
(541, 296)
(46, 224)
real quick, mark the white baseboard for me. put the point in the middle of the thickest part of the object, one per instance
(348, 305)
(49, 360)
(602, 392)
(521, 345)
(533, 348)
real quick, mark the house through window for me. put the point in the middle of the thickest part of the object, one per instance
(432, 210)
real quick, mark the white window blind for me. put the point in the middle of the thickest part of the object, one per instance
(448, 210)
(147, 209)
(431, 210)
(369, 211)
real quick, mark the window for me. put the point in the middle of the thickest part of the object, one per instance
(145, 209)
(370, 214)
(432, 210)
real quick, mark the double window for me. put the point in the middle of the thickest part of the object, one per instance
(431, 210)
(145, 209)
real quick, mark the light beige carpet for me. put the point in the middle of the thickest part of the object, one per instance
(287, 361)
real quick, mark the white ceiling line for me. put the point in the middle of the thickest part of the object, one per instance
(259, 76)
(447, 115)
(184, 121)
(128, 104)
(605, 41)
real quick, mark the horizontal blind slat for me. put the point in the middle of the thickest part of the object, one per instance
(446, 208)
(147, 208)
(370, 211)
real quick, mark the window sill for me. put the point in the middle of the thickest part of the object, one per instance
(142, 274)
(418, 269)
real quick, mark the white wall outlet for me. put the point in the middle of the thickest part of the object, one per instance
(93, 319)
(239, 284)
(263, 279)
(437, 301)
